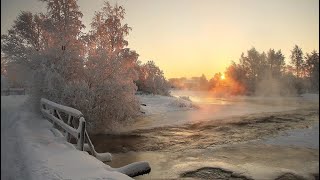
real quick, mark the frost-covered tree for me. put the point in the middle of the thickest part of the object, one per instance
(236, 77)
(48, 41)
(23, 45)
(312, 69)
(262, 74)
(24, 40)
(152, 80)
(297, 60)
(92, 72)
(254, 65)
(63, 25)
(275, 63)
(106, 94)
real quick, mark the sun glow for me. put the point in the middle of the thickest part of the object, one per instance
(222, 77)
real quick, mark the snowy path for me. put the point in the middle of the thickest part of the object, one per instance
(29, 149)
(13, 163)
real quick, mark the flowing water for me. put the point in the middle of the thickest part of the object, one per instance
(185, 144)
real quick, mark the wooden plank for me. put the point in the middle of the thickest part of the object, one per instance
(72, 131)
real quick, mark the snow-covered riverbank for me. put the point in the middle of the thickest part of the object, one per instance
(161, 111)
(156, 104)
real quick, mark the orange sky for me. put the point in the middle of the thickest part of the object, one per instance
(191, 37)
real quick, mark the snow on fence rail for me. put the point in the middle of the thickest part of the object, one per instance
(13, 91)
(68, 118)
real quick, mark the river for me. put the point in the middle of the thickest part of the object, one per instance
(223, 139)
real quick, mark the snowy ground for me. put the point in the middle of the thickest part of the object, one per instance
(30, 150)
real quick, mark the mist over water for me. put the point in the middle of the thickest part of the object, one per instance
(220, 110)
(180, 141)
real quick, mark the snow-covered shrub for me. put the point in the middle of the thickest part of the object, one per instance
(183, 103)
(187, 98)
(46, 83)
(105, 105)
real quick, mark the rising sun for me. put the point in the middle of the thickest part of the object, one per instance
(222, 77)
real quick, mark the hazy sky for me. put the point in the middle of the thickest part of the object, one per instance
(191, 37)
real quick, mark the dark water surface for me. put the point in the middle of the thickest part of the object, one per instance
(170, 149)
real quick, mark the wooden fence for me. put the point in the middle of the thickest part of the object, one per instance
(72, 123)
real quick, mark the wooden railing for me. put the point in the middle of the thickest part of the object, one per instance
(67, 122)
(72, 123)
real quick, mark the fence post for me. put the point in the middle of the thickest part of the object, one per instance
(82, 127)
(68, 136)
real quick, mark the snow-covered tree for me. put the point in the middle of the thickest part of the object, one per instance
(152, 80)
(93, 72)
(24, 39)
(312, 69)
(49, 46)
(297, 60)
(22, 46)
(63, 25)
(106, 94)
(275, 63)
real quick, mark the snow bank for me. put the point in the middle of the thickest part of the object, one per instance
(157, 104)
(30, 150)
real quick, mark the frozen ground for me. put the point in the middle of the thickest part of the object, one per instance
(30, 151)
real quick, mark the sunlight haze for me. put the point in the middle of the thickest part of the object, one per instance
(189, 38)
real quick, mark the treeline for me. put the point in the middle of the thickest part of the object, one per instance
(261, 74)
(268, 74)
(94, 72)
(151, 79)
